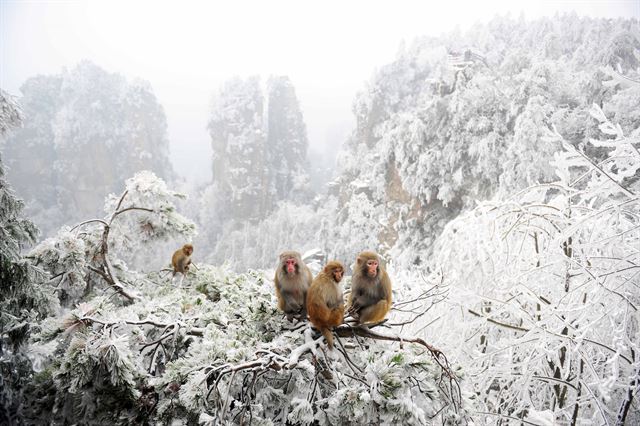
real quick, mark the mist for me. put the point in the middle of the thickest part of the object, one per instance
(319, 214)
(328, 49)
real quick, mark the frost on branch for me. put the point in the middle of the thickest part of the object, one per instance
(23, 302)
(220, 351)
(215, 349)
(86, 255)
(544, 288)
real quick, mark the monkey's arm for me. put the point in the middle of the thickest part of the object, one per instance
(185, 263)
(276, 283)
(362, 300)
(375, 313)
(319, 314)
(336, 317)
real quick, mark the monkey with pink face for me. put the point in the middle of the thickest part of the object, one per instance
(292, 281)
(370, 298)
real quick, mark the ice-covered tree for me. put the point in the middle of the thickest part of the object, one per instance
(22, 301)
(543, 302)
(82, 259)
(83, 130)
(457, 118)
(134, 348)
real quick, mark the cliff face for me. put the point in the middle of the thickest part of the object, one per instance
(259, 143)
(464, 117)
(85, 131)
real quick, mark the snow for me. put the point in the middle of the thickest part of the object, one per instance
(501, 189)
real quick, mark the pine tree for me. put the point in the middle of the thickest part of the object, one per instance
(21, 301)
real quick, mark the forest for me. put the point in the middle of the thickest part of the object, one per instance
(496, 173)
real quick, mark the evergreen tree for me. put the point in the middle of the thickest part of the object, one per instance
(22, 302)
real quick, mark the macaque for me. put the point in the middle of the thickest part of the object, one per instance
(181, 260)
(292, 282)
(325, 302)
(370, 298)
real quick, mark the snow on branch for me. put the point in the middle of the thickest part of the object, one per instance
(144, 209)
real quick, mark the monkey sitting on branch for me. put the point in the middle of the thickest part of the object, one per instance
(181, 260)
(325, 303)
(292, 281)
(370, 298)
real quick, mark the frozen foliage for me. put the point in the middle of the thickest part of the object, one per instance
(218, 351)
(544, 289)
(84, 130)
(460, 117)
(141, 350)
(80, 258)
(10, 114)
(23, 303)
(257, 245)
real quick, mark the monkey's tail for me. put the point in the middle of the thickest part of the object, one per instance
(328, 335)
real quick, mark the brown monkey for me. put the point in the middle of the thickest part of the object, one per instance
(370, 298)
(292, 282)
(324, 300)
(181, 260)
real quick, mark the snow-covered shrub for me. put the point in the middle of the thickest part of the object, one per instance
(213, 348)
(544, 296)
(177, 353)
(95, 251)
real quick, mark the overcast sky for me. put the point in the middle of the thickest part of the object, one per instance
(186, 49)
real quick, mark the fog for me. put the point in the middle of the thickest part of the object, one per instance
(328, 49)
(463, 182)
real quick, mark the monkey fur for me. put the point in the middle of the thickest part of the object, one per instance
(292, 281)
(181, 259)
(370, 298)
(325, 303)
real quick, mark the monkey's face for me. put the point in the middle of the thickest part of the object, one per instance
(290, 265)
(337, 274)
(188, 249)
(371, 268)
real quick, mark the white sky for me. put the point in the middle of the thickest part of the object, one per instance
(186, 49)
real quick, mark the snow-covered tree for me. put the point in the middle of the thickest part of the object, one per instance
(83, 130)
(22, 301)
(134, 348)
(80, 259)
(458, 118)
(543, 302)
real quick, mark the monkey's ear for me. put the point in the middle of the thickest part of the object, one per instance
(359, 260)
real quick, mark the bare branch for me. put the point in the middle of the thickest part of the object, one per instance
(102, 221)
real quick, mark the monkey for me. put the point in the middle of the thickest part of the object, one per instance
(292, 281)
(370, 297)
(181, 260)
(325, 303)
